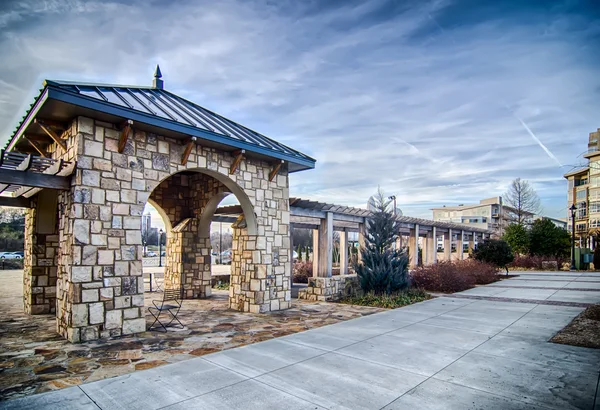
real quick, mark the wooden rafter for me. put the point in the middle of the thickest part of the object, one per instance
(54, 169)
(56, 124)
(125, 131)
(46, 128)
(37, 146)
(239, 155)
(275, 170)
(188, 150)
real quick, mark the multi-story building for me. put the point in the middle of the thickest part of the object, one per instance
(489, 213)
(584, 192)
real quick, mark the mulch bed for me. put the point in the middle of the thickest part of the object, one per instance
(583, 331)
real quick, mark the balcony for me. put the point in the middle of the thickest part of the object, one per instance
(581, 182)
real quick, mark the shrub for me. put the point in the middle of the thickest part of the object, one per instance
(454, 276)
(495, 252)
(395, 300)
(535, 262)
(303, 271)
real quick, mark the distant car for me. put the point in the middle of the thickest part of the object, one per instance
(163, 253)
(11, 255)
(295, 255)
(225, 257)
(151, 254)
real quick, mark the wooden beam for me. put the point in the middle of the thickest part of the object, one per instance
(25, 164)
(33, 179)
(239, 155)
(53, 123)
(28, 192)
(275, 170)
(16, 202)
(46, 128)
(188, 150)
(37, 147)
(125, 131)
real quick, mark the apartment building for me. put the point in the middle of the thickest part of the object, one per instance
(583, 190)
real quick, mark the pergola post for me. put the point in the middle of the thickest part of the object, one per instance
(361, 240)
(343, 253)
(462, 245)
(413, 245)
(472, 242)
(315, 253)
(326, 246)
(448, 245)
(434, 246)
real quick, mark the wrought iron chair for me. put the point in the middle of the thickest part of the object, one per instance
(171, 305)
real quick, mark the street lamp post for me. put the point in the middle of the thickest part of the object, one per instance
(573, 208)
(160, 233)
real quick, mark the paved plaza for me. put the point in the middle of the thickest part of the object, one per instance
(457, 352)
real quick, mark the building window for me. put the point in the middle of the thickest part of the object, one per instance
(581, 195)
(594, 223)
(594, 207)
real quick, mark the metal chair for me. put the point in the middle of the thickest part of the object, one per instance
(171, 304)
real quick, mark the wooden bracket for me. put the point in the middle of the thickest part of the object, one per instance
(37, 147)
(46, 128)
(125, 131)
(188, 150)
(275, 170)
(56, 124)
(239, 155)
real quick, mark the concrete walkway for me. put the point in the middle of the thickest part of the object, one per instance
(448, 353)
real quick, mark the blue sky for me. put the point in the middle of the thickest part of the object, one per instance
(431, 100)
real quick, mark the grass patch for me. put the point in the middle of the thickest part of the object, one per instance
(403, 298)
(583, 331)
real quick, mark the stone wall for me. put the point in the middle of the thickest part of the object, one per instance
(99, 270)
(330, 289)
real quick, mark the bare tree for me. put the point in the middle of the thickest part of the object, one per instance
(521, 202)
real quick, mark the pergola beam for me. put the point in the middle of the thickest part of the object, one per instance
(35, 180)
(46, 128)
(15, 202)
(275, 170)
(125, 131)
(36, 146)
(188, 150)
(239, 155)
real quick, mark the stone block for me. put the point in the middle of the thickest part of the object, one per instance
(106, 257)
(132, 326)
(114, 319)
(79, 315)
(89, 295)
(106, 293)
(90, 178)
(132, 313)
(99, 240)
(81, 231)
(131, 222)
(120, 209)
(98, 196)
(113, 196)
(133, 237)
(93, 149)
(81, 274)
(122, 268)
(96, 314)
(89, 255)
(122, 302)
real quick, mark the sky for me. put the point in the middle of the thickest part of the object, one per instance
(437, 102)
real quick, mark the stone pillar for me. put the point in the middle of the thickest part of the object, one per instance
(315, 255)
(448, 245)
(399, 242)
(326, 246)
(343, 253)
(41, 254)
(462, 246)
(472, 242)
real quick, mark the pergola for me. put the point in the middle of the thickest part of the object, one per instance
(324, 219)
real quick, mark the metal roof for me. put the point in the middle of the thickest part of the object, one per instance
(161, 108)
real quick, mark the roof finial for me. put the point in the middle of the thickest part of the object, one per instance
(157, 82)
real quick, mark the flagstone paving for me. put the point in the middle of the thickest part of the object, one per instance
(34, 359)
(444, 353)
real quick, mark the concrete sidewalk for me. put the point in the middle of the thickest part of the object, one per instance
(446, 353)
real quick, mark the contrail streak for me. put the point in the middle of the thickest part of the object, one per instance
(536, 139)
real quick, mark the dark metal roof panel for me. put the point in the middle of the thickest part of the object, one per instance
(171, 107)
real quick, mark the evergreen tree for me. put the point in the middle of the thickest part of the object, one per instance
(383, 270)
(547, 239)
(495, 252)
(517, 237)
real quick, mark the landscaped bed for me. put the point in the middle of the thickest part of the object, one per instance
(403, 298)
(583, 331)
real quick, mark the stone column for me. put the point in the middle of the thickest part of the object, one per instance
(343, 253)
(448, 245)
(41, 254)
(315, 255)
(326, 246)
(462, 246)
